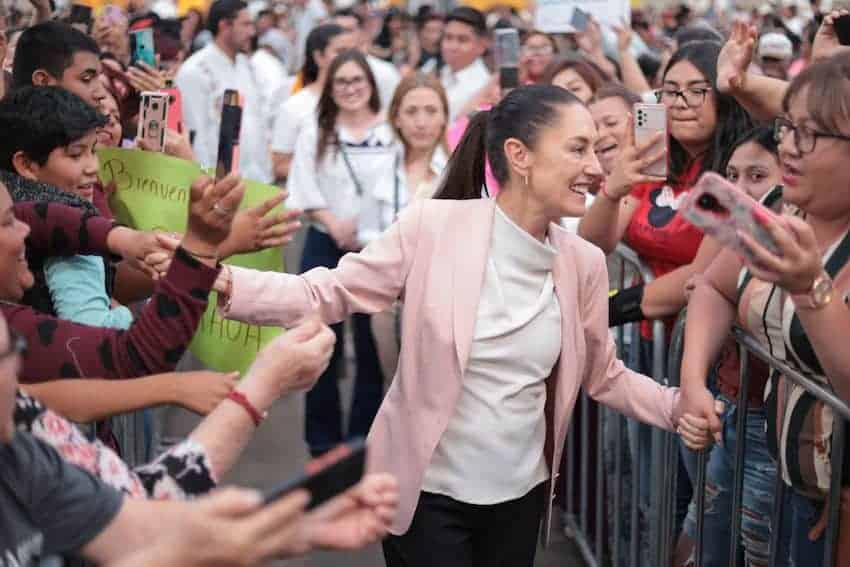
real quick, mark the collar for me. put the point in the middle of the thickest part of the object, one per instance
(469, 73)
(219, 57)
(514, 245)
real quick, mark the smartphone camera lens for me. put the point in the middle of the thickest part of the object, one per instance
(155, 105)
(709, 203)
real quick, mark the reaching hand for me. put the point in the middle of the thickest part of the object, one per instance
(136, 246)
(201, 391)
(143, 77)
(735, 58)
(826, 42)
(632, 161)
(212, 208)
(258, 228)
(699, 422)
(624, 37)
(356, 518)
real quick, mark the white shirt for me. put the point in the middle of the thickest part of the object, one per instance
(387, 78)
(330, 186)
(462, 86)
(202, 80)
(291, 116)
(305, 19)
(492, 449)
(381, 206)
(272, 77)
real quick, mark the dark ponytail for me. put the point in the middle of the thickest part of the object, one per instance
(464, 176)
(522, 114)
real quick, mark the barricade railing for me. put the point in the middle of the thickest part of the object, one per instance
(750, 346)
(132, 435)
(650, 519)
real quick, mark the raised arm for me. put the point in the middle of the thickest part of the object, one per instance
(365, 282)
(606, 379)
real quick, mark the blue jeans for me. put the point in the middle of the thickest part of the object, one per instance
(323, 427)
(758, 495)
(800, 514)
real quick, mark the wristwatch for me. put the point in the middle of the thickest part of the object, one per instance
(818, 296)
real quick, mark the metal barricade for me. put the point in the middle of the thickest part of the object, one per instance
(131, 431)
(664, 450)
(751, 347)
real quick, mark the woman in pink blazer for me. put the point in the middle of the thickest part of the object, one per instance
(505, 317)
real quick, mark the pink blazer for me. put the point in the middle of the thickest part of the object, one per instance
(435, 257)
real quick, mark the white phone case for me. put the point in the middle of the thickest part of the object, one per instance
(650, 119)
(153, 119)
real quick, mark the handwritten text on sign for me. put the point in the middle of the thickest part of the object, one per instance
(555, 16)
(152, 192)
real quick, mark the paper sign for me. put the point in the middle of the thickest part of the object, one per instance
(554, 16)
(152, 192)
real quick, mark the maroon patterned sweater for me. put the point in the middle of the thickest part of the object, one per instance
(153, 344)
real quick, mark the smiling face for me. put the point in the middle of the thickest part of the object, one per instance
(611, 118)
(810, 179)
(754, 170)
(351, 89)
(537, 54)
(110, 135)
(421, 119)
(72, 168)
(563, 165)
(570, 80)
(12, 252)
(691, 125)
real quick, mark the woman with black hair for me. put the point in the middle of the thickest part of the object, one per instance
(392, 43)
(474, 423)
(323, 44)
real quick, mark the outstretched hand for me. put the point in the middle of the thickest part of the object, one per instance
(735, 58)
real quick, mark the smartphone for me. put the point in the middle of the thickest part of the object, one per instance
(842, 29)
(228, 134)
(142, 47)
(506, 54)
(153, 119)
(326, 476)
(651, 118)
(175, 107)
(722, 210)
(80, 14)
(580, 19)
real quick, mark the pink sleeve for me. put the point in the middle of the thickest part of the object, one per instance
(456, 131)
(364, 282)
(606, 378)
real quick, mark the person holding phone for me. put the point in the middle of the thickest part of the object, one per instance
(343, 158)
(475, 421)
(538, 50)
(643, 211)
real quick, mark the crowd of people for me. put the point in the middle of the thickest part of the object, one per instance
(457, 226)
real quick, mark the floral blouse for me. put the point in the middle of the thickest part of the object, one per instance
(180, 473)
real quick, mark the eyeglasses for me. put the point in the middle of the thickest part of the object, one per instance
(805, 139)
(17, 345)
(530, 50)
(694, 97)
(340, 84)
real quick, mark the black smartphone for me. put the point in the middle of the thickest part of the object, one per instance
(842, 29)
(228, 134)
(81, 14)
(327, 476)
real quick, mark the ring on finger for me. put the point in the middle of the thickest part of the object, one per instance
(222, 211)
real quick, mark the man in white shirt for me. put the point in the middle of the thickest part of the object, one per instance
(464, 73)
(387, 76)
(222, 65)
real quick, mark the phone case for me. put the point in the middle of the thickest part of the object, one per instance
(722, 210)
(175, 109)
(153, 119)
(141, 47)
(506, 53)
(228, 135)
(650, 119)
(326, 476)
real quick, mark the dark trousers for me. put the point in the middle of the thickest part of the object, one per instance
(448, 533)
(323, 415)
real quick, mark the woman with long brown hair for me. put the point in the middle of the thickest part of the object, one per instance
(340, 159)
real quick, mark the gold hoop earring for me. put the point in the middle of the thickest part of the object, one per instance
(525, 178)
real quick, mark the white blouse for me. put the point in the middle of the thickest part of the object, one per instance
(331, 185)
(492, 449)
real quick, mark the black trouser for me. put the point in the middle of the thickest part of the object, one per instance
(323, 427)
(448, 533)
